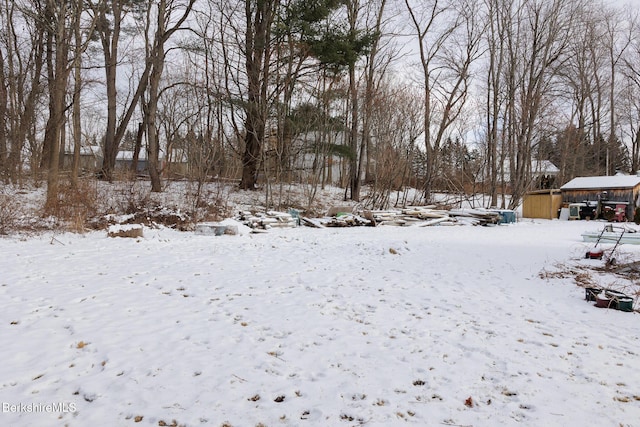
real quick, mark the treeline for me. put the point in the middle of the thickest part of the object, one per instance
(441, 95)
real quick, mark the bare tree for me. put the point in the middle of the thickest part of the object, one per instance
(631, 92)
(617, 39)
(380, 56)
(59, 29)
(22, 56)
(498, 19)
(449, 35)
(353, 15)
(272, 63)
(362, 39)
(204, 103)
(156, 54)
(582, 73)
(299, 26)
(396, 118)
(77, 88)
(110, 15)
(537, 38)
(62, 22)
(259, 17)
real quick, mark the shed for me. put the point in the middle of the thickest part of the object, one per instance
(604, 192)
(90, 158)
(124, 161)
(178, 162)
(542, 204)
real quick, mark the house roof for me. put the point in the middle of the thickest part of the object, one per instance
(88, 150)
(602, 182)
(538, 168)
(544, 166)
(127, 155)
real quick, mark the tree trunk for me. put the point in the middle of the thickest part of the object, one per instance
(76, 118)
(137, 148)
(110, 38)
(4, 171)
(157, 59)
(354, 172)
(58, 72)
(259, 18)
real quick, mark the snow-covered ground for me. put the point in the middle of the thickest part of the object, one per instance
(322, 327)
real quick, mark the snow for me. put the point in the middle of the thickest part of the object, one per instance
(602, 182)
(322, 327)
(115, 228)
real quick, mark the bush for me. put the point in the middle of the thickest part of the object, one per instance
(10, 213)
(75, 204)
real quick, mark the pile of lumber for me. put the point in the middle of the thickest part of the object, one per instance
(424, 216)
(338, 216)
(267, 220)
(476, 216)
(339, 220)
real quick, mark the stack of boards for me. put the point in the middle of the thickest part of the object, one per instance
(423, 216)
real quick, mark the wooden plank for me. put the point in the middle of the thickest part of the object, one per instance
(311, 222)
(435, 221)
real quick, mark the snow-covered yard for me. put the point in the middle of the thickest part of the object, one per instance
(334, 327)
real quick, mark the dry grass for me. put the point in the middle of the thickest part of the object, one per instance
(207, 204)
(623, 276)
(134, 197)
(10, 212)
(134, 232)
(75, 204)
(174, 423)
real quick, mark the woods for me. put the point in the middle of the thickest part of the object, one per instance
(445, 96)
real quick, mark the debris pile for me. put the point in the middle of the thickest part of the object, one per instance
(608, 298)
(216, 229)
(347, 216)
(428, 215)
(476, 216)
(340, 219)
(267, 220)
(423, 216)
(125, 230)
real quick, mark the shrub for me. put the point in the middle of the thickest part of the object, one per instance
(10, 212)
(75, 204)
